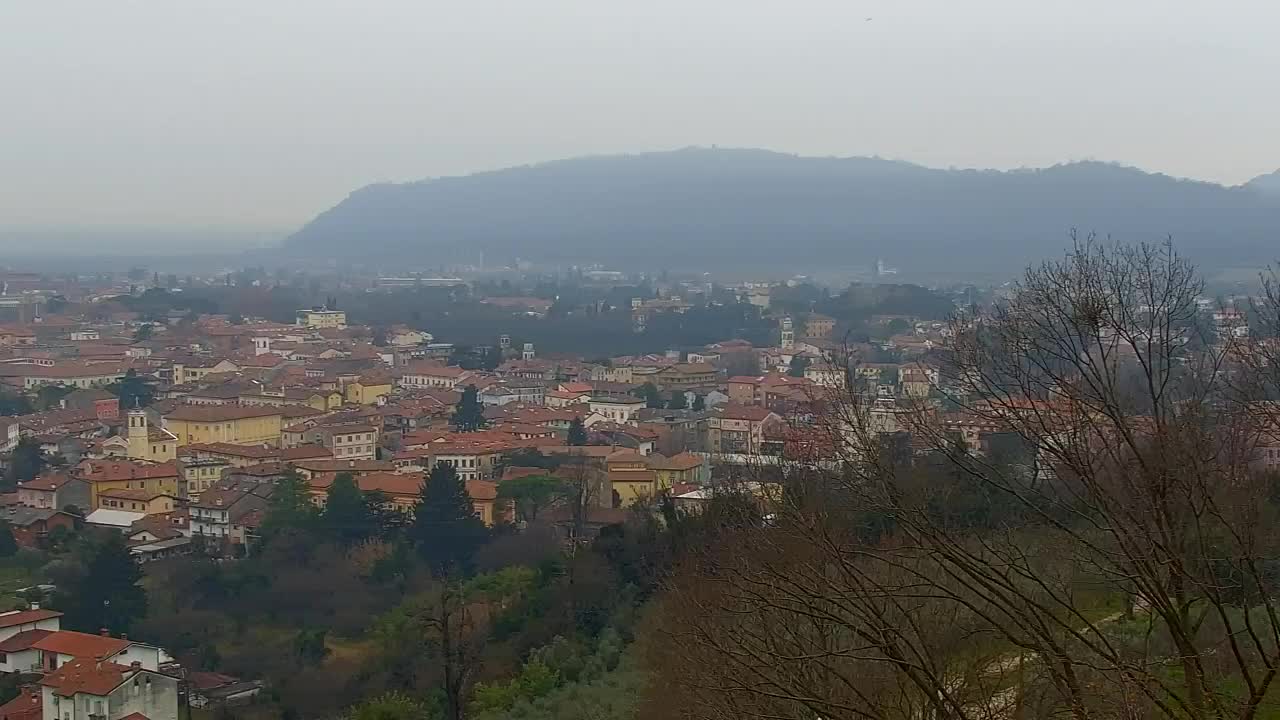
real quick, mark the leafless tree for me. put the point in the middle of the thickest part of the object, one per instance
(1124, 566)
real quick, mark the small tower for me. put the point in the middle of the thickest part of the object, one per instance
(504, 342)
(139, 434)
(788, 334)
(527, 353)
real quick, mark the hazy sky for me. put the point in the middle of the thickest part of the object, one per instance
(260, 113)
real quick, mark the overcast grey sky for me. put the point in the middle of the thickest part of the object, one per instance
(260, 113)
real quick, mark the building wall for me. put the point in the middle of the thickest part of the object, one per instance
(167, 485)
(362, 394)
(245, 431)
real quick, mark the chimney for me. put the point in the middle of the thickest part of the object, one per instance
(124, 636)
(104, 632)
(136, 664)
(35, 604)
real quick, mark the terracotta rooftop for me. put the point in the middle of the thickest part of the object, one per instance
(23, 617)
(86, 675)
(390, 483)
(81, 645)
(28, 705)
(24, 640)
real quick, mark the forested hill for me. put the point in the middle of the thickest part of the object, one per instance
(752, 208)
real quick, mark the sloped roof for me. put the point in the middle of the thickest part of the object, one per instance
(22, 617)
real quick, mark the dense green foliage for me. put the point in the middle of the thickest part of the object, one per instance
(133, 391)
(445, 527)
(577, 432)
(99, 586)
(468, 415)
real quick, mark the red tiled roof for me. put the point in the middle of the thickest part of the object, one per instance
(86, 675)
(22, 617)
(433, 370)
(386, 482)
(23, 640)
(482, 489)
(81, 645)
(28, 705)
(46, 482)
(101, 470)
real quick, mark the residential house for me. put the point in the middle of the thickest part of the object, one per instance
(199, 475)
(194, 370)
(346, 441)
(56, 492)
(103, 404)
(615, 408)
(69, 373)
(564, 398)
(27, 705)
(31, 526)
(738, 429)
(10, 434)
(683, 469)
(917, 380)
(686, 376)
(143, 501)
(321, 467)
(433, 375)
(508, 392)
(229, 512)
(60, 647)
(368, 389)
(676, 431)
(630, 477)
(819, 326)
(318, 318)
(106, 475)
(90, 689)
(402, 491)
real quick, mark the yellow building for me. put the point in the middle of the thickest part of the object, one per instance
(683, 469)
(367, 390)
(630, 476)
(237, 424)
(147, 443)
(105, 477)
(142, 501)
(322, 318)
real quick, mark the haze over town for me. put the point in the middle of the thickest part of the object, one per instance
(195, 118)
(582, 360)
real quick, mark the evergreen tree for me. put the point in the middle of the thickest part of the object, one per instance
(14, 404)
(699, 403)
(107, 594)
(346, 514)
(650, 394)
(678, 400)
(8, 544)
(26, 462)
(468, 415)
(799, 364)
(133, 390)
(577, 432)
(290, 506)
(445, 527)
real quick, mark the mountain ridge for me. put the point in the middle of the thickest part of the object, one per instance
(740, 207)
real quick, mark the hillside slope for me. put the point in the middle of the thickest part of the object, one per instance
(752, 208)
